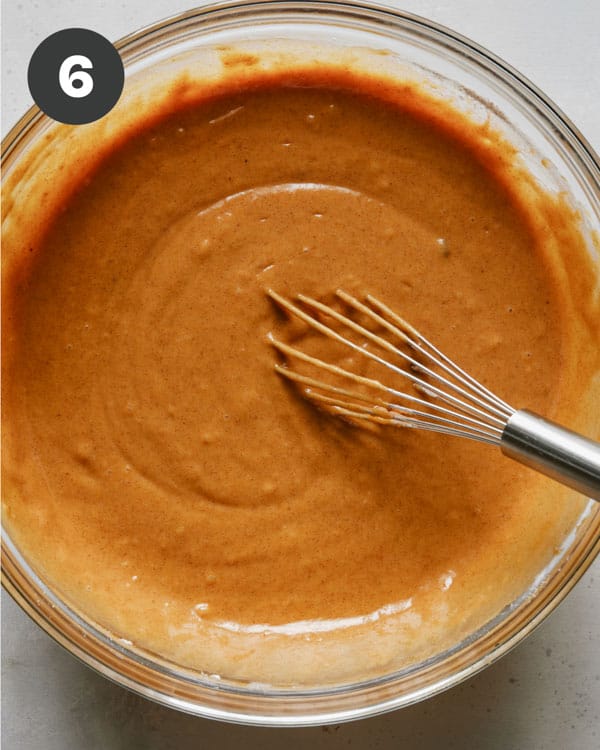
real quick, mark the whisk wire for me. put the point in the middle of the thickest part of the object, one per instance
(496, 418)
(441, 359)
(477, 413)
(437, 358)
(377, 385)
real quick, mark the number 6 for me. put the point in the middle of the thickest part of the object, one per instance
(67, 78)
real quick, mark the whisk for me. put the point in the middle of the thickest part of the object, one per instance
(445, 398)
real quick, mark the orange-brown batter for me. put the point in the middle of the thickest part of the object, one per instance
(168, 483)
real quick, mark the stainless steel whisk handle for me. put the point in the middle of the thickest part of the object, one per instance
(553, 450)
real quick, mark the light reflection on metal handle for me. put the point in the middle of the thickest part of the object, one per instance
(555, 451)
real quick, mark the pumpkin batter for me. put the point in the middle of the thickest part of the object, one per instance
(179, 493)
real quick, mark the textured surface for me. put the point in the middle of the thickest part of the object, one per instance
(543, 695)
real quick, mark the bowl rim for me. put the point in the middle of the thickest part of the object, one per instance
(14, 566)
(43, 608)
(381, 12)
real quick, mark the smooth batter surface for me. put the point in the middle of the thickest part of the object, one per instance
(177, 490)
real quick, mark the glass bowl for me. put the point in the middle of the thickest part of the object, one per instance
(391, 43)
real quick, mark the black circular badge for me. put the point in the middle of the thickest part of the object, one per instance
(75, 76)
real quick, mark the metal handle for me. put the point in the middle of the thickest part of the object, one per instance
(553, 450)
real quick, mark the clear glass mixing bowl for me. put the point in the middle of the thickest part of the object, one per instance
(484, 86)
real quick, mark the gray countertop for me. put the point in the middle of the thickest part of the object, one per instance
(543, 695)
